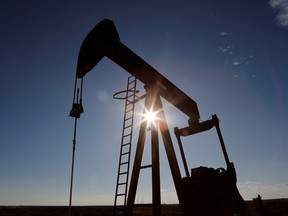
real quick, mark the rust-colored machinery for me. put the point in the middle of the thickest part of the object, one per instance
(206, 191)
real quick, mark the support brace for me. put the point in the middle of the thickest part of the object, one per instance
(153, 102)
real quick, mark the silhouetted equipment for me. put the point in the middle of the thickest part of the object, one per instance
(77, 109)
(207, 191)
(210, 191)
(104, 40)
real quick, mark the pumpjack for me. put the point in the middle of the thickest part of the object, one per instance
(204, 191)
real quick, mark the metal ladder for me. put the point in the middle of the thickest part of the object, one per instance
(125, 148)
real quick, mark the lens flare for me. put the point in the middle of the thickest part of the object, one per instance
(150, 116)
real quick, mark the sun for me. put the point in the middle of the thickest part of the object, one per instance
(150, 116)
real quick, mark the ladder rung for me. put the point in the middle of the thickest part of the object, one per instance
(129, 110)
(131, 94)
(146, 166)
(126, 144)
(128, 96)
(131, 102)
(128, 118)
(123, 163)
(122, 183)
(127, 127)
(125, 153)
(132, 89)
(134, 80)
(122, 194)
(131, 78)
(129, 105)
(123, 173)
(126, 135)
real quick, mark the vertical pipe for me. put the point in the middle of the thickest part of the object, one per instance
(156, 194)
(170, 152)
(74, 92)
(72, 167)
(81, 90)
(182, 151)
(215, 118)
(73, 157)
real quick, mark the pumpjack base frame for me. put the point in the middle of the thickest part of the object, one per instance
(213, 191)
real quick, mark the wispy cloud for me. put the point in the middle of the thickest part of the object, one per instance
(281, 6)
(223, 33)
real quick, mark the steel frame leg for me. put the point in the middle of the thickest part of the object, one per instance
(153, 102)
(156, 197)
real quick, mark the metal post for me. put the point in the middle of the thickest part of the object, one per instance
(170, 152)
(176, 130)
(156, 192)
(151, 96)
(215, 118)
(136, 169)
(77, 115)
(72, 169)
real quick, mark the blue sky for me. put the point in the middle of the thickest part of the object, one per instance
(229, 56)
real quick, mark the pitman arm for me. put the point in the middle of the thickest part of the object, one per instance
(103, 40)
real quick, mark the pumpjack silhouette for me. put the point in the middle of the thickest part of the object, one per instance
(203, 191)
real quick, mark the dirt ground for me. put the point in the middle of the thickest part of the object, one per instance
(275, 207)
